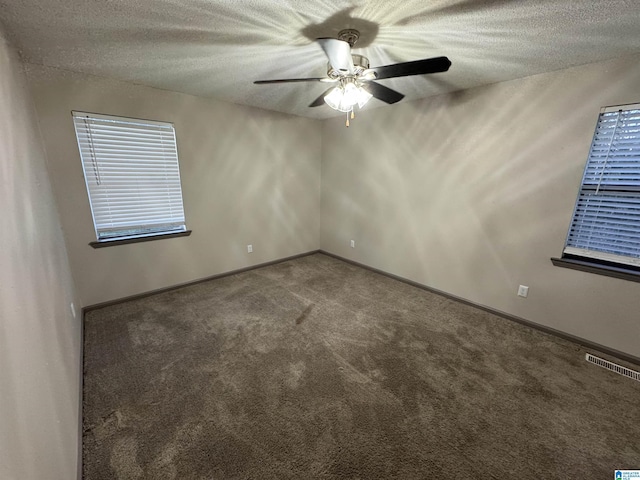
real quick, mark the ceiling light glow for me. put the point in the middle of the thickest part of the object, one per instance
(348, 94)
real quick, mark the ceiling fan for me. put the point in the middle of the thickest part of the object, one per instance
(353, 79)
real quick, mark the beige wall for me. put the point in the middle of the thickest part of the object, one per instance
(472, 193)
(39, 337)
(248, 177)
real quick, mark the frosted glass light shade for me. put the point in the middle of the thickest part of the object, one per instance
(344, 97)
(335, 100)
(363, 97)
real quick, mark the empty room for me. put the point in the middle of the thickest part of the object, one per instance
(319, 240)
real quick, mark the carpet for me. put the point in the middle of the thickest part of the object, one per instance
(318, 369)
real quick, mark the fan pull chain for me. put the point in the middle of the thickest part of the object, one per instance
(353, 115)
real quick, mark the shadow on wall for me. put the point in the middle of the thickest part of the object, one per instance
(463, 192)
(248, 177)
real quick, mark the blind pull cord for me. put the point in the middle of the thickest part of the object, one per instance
(606, 160)
(94, 160)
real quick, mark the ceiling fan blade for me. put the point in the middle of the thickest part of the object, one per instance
(383, 93)
(320, 100)
(291, 80)
(417, 67)
(339, 54)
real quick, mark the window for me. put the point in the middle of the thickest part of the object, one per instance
(605, 228)
(132, 177)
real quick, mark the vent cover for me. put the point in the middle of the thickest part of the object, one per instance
(614, 367)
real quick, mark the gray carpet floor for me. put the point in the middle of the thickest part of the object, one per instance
(318, 369)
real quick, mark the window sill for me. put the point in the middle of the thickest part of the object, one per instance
(597, 268)
(150, 238)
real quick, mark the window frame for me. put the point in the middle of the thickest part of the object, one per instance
(602, 263)
(159, 156)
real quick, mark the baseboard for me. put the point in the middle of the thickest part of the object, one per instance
(192, 282)
(528, 323)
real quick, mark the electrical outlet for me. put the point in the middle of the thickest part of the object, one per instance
(249, 248)
(523, 291)
(353, 244)
(73, 310)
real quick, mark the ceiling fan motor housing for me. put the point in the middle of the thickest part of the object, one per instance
(360, 63)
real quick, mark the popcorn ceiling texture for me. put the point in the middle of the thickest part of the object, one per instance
(217, 48)
(318, 369)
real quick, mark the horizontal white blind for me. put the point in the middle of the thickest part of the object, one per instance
(606, 221)
(132, 175)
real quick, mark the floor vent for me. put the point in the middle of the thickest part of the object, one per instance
(614, 367)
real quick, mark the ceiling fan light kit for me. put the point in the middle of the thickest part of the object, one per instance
(349, 93)
(345, 96)
(356, 85)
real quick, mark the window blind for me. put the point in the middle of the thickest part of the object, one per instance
(606, 220)
(132, 175)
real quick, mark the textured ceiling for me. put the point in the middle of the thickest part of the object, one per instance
(214, 48)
